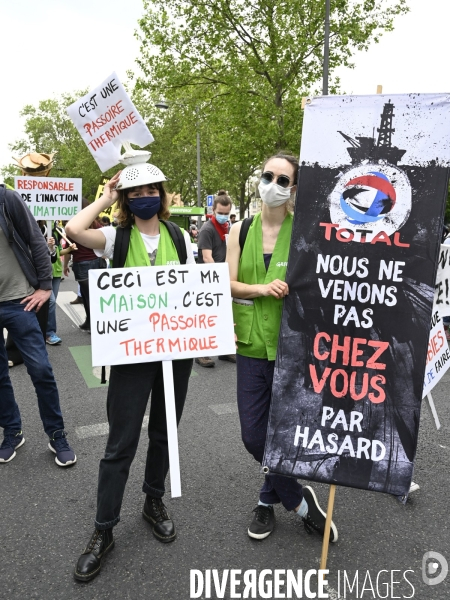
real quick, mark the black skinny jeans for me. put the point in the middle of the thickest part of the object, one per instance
(128, 394)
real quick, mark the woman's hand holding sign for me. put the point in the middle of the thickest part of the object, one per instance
(110, 194)
(79, 226)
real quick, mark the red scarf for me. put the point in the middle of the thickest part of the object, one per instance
(222, 230)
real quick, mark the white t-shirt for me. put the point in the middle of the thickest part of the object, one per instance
(150, 242)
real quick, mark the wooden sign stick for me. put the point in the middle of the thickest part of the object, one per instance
(172, 433)
(326, 535)
(433, 411)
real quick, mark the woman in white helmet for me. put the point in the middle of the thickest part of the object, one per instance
(142, 202)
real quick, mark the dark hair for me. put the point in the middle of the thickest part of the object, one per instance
(222, 198)
(106, 220)
(290, 159)
(125, 217)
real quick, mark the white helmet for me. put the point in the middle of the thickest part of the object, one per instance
(139, 174)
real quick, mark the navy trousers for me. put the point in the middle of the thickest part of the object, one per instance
(254, 395)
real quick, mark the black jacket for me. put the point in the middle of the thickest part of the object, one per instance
(25, 239)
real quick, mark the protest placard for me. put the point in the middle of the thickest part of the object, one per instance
(161, 313)
(50, 198)
(438, 354)
(105, 119)
(442, 287)
(353, 343)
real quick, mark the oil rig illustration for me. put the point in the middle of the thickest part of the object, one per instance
(363, 148)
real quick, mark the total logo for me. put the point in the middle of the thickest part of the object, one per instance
(369, 203)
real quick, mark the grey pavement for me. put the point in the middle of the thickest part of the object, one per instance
(47, 512)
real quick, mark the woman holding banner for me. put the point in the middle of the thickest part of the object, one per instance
(145, 241)
(257, 255)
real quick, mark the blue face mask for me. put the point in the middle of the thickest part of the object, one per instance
(222, 219)
(146, 207)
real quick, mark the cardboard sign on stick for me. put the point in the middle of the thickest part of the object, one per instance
(352, 350)
(144, 314)
(442, 288)
(50, 198)
(106, 118)
(438, 355)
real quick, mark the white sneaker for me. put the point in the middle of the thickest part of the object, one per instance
(414, 487)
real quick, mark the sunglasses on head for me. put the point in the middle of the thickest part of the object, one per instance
(282, 180)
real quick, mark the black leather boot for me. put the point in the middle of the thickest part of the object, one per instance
(90, 562)
(156, 514)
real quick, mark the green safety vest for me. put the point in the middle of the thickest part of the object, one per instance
(57, 266)
(137, 255)
(258, 324)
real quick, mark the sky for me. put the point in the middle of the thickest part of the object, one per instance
(56, 46)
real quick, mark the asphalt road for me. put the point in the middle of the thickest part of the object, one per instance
(47, 512)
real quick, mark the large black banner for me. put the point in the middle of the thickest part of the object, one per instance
(353, 342)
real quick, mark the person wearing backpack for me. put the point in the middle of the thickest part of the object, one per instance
(144, 238)
(257, 255)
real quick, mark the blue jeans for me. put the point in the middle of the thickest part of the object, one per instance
(81, 269)
(254, 396)
(51, 323)
(24, 329)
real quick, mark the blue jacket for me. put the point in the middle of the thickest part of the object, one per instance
(25, 239)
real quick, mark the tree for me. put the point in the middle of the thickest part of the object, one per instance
(48, 128)
(248, 65)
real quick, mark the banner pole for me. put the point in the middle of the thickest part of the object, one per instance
(433, 411)
(172, 433)
(326, 535)
(49, 229)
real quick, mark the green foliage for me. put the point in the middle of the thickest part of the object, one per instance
(48, 129)
(246, 66)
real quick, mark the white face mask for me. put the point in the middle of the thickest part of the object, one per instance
(274, 195)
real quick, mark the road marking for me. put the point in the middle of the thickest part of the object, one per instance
(88, 431)
(82, 356)
(224, 409)
(75, 312)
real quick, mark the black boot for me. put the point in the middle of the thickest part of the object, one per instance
(156, 514)
(90, 562)
(84, 290)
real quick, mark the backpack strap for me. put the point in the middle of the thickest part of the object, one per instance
(178, 239)
(244, 231)
(122, 243)
(121, 246)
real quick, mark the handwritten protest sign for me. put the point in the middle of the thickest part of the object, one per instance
(50, 198)
(352, 351)
(442, 287)
(105, 118)
(438, 355)
(161, 313)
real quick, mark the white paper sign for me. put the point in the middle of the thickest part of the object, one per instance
(50, 198)
(146, 314)
(442, 287)
(105, 118)
(438, 357)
